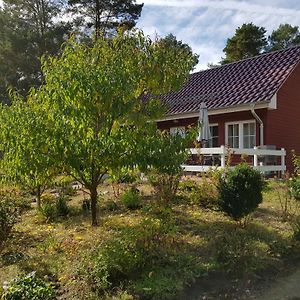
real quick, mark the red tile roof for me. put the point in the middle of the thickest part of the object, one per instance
(247, 81)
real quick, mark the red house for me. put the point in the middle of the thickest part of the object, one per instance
(252, 102)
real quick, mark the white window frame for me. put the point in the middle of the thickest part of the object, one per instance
(241, 131)
(177, 130)
(213, 125)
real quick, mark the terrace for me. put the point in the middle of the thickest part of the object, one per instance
(267, 161)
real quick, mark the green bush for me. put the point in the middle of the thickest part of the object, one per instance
(9, 214)
(240, 191)
(295, 224)
(125, 255)
(131, 198)
(114, 261)
(111, 206)
(48, 211)
(62, 208)
(206, 194)
(188, 186)
(165, 186)
(168, 280)
(238, 254)
(294, 186)
(52, 208)
(28, 287)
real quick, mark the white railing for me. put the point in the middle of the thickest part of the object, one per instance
(224, 152)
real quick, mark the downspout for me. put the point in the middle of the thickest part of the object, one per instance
(261, 125)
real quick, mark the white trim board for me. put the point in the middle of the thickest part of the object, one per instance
(218, 111)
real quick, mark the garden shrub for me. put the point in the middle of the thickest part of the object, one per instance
(62, 208)
(9, 214)
(168, 280)
(125, 255)
(47, 198)
(111, 205)
(119, 295)
(187, 186)
(295, 224)
(206, 194)
(294, 186)
(110, 263)
(48, 211)
(28, 287)
(165, 186)
(131, 198)
(240, 191)
(52, 207)
(237, 253)
(163, 166)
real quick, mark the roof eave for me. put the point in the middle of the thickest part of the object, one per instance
(268, 104)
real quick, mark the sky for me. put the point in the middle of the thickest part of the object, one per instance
(206, 24)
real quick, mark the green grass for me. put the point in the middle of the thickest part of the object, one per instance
(188, 248)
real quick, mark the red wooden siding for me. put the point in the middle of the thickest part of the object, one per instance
(220, 120)
(283, 124)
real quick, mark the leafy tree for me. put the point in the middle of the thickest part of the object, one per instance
(105, 16)
(24, 146)
(163, 156)
(171, 41)
(283, 37)
(29, 29)
(248, 41)
(93, 105)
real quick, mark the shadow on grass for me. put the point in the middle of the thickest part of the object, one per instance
(263, 212)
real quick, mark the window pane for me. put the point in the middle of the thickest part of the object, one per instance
(214, 131)
(246, 142)
(252, 129)
(215, 142)
(249, 135)
(246, 129)
(233, 135)
(236, 142)
(236, 130)
(230, 130)
(252, 141)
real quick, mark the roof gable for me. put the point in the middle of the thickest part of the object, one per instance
(243, 82)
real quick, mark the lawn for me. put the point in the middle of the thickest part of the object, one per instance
(188, 251)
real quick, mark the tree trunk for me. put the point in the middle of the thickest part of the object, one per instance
(97, 23)
(94, 196)
(38, 197)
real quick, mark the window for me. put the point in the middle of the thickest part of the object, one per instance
(249, 135)
(177, 130)
(241, 134)
(214, 132)
(233, 135)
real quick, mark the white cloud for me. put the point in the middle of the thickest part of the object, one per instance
(227, 4)
(206, 24)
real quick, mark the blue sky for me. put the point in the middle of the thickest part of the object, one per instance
(206, 24)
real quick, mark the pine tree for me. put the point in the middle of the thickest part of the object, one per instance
(29, 29)
(285, 36)
(104, 16)
(249, 40)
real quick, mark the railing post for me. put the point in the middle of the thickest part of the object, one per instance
(282, 162)
(223, 157)
(255, 157)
